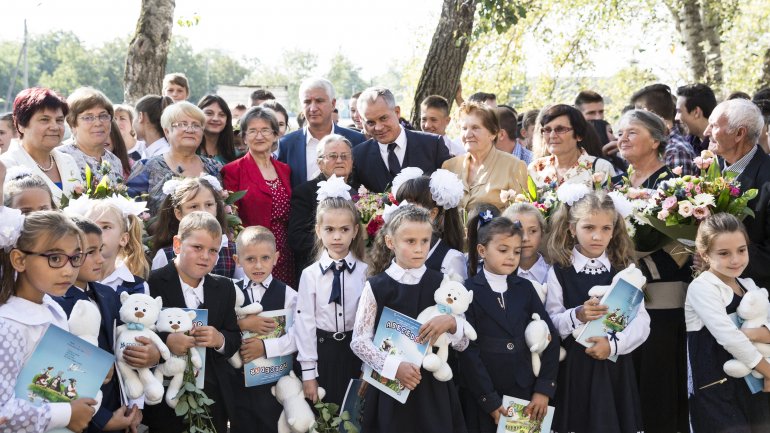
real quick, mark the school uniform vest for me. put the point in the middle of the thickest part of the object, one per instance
(225, 264)
(273, 299)
(575, 286)
(132, 287)
(437, 258)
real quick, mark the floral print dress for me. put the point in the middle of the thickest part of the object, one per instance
(279, 221)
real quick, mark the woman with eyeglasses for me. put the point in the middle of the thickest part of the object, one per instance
(182, 124)
(38, 115)
(570, 142)
(266, 180)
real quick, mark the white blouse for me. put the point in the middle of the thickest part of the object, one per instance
(285, 344)
(120, 275)
(538, 272)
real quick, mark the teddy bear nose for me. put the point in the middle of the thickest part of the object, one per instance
(139, 314)
(175, 327)
(449, 300)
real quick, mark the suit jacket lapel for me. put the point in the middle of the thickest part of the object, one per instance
(511, 300)
(104, 309)
(172, 291)
(381, 170)
(489, 301)
(408, 150)
(300, 165)
(253, 174)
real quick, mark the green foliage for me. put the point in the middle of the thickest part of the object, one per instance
(295, 66)
(345, 76)
(193, 404)
(329, 422)
(499, 15)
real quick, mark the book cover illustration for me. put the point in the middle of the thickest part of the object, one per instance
(516, 421)
(396, 334)
(201, 319)
(62, 368)
(755, 384)
(263, 370)
(353, 404)
(622, 301)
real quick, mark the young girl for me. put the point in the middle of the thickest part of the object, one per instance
(439, 194)
(184, 197)
(328, 295)
(45, 260)
(719, 402)
(407, 286)
(499, 363)
(589, 244)
(27, 191)
(125, 267)
(532, 265)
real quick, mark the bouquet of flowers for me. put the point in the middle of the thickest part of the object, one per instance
(106, 187)
(543, 198)
(234, 222)
(370, 206)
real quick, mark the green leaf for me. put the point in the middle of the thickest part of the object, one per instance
(234, 197)
(345, 416)
(190, 387)
(181, 408)
(325, 414)
(89, 175)
(532, 189)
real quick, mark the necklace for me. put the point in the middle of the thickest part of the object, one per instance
(50, 167)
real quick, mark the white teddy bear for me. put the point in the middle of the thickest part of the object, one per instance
(537, 336)
(240, 313)
(296, 417)
(753, 310)
(451, 298)
(139, 313)
(173, 320)
(85, 322)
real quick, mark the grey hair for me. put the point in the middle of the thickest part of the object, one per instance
(173, 112)
(740, 113)
(315, 83)
(259, 112)
(331, 138)
(370, 96)
(650, 121)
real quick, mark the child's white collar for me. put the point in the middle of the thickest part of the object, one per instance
(397, 272)
(579, 261)
(266, 283)
(327, 261)
(31, 313)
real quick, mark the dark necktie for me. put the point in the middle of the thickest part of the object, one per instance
(394, 167)
(136, 156)
(90, 293)
(337, 269)
(246, 297)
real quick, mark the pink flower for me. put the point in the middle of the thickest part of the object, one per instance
(702, 163)
(78, 189)
(145, 216)
(701, 212)
(685, 208)
(362, 190)
(735, 192)
(599, 177)
(228, 209)
(669, 203)
(505, 195)
(677, 170)
(662, 215)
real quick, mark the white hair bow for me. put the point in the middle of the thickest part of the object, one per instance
(333, 187)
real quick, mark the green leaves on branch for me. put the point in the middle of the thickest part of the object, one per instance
(498, 15)
(193, 404)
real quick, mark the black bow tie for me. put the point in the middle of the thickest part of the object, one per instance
(337, 269)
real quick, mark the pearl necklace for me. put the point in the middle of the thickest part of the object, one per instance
(50, 167)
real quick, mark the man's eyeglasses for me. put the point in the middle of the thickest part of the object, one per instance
(89, 118)
(193, 127)
(559, 130)
(336, 156)
(58, 260)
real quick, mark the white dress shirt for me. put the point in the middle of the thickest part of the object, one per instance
(366, 316)
(311, 155)
(315, 312)
(454, 262)
(120, 275)
(285, 344)
(160, 260)
(566, 321)
(158, 147)
(455, 146)
(538, 272)
(400, 149)
(193, 298)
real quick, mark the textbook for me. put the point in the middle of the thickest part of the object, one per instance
(396, 334)
(623, 300)
(62, 368)
(353, 404)
(755, 384)
(516, 421)
(263, 370)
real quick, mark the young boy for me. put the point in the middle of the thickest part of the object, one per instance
(257, 255)
(186, 283)
(111, 416)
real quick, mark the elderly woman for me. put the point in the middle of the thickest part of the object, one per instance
(90, 118)
(484, 170)
(38, 115)
(267, 183)
(183, 126)
(218, 131)
(335, 156)
(563, 129)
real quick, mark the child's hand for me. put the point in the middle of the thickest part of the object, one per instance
(136, 420)
(590, 310)
(434, 328)
(497, 413)
(208, 336)
(538, 406)
(252, 348)
(121, 419)
(600, 350)
(409, 375)
(109, 375)
(179, 343)
(310, 387)
(260, 325)
(82, 412)
(144, 355)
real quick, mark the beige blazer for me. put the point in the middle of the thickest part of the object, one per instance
(68, 169)
(499, 171)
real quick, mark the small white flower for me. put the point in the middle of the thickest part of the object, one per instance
(362, 190)
(704, 199)
(685, 208)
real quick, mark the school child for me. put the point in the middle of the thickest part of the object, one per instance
(125, 267)
(45, 259)
(190, 195)
(532, 265)
(439, 194)
(404, 284)
(589, 245)
(257, 255)
(499, 362)
(186, 282)
(112, 415)
(27, 191)
(329, 290)
(718, 402)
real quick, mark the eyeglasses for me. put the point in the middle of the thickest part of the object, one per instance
(559, 130)
(187, 126)
(90, 118)
(266, 132)
(336, 156)
(58, 260)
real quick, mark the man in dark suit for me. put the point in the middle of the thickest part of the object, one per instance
(733, 131)
(378, 160)
(297, 149)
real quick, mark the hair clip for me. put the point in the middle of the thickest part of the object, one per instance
(213, 181)
(127, 207)
(569, 193)
(517, 225)
(79, 206)
(406, 174)
(171, 185)
(622, 205)
(485, 217)
(446, 188)
(333, 187)
(11, 226)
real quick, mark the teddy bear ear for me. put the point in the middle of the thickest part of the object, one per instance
(159, 302)
(191, 314)
(124, 296)
(470, 296)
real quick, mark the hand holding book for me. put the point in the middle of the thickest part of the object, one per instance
(600, 350)
(409, 375)
(82, 412)
(590, 310)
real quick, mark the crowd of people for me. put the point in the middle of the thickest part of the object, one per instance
(178, 162)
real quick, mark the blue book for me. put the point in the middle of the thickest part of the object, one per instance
(517, 421)
(262, 371)
(755, 384)
(62, 368)
(623, 301)
(353, 405)
(396, 334)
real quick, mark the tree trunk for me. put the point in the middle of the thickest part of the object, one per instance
(687, 17)
(446, 56)
(148, 50)
(712, 32)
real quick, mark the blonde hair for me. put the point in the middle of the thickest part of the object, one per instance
(132, 253)
(712, 227)
(526, 209)
(561, 242)
(254, 235)
(380, 255)
(358, 243)
(174, 112)
(199, 220)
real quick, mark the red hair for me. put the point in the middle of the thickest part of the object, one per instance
(30, 101)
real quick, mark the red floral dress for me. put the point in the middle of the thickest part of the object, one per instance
(279, 221)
